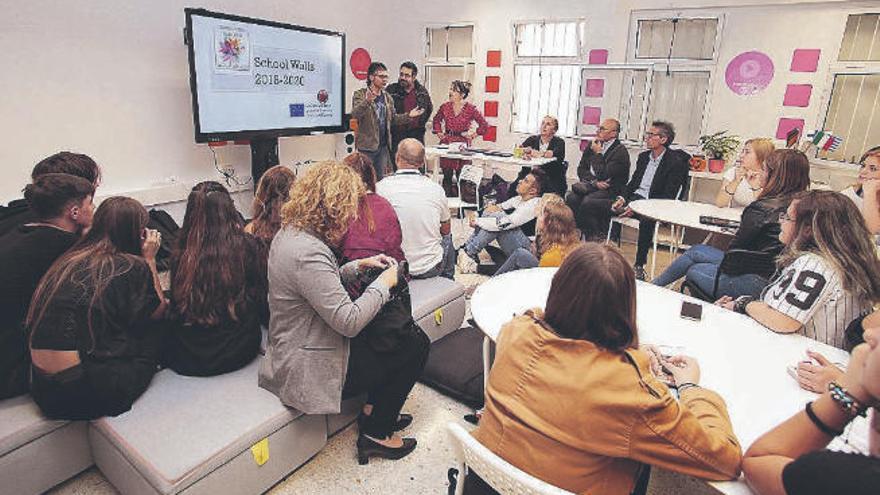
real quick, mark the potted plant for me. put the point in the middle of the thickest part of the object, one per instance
(718, 148)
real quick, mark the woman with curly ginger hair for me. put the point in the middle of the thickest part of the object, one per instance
(313, 360)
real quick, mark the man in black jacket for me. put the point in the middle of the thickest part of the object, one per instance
(18, 212)
(661, 173)
(603, 171)
(408, 94)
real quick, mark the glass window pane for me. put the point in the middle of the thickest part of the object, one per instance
(545, 90)
(552, 39)
(621, 97)
(437, 43)
(694, 38)
(461, 44)
(861, 38)
(679, 98)
(853, 115)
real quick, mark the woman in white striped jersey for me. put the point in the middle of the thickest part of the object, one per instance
(828, 275)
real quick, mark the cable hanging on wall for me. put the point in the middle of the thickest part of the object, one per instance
(671, 45)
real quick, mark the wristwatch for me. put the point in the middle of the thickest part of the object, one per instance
(740, 303)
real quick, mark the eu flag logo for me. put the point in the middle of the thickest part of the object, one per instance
(297, 109)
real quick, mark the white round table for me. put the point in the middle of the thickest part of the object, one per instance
(685, 213)
(508, 165)
(740, 359)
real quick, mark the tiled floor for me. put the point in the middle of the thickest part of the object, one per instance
(334, 470)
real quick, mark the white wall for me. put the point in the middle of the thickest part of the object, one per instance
(110, 79)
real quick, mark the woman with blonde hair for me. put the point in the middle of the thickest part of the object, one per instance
(313, 361)
(557, 236)
(742, 184)
(828, 273)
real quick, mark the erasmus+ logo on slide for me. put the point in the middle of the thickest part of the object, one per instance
(297, 109)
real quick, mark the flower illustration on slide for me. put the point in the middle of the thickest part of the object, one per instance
(231, 48)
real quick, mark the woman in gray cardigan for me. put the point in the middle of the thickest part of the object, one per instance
(313, 360)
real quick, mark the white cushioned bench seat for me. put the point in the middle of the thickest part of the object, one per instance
(438, 293)
(195, 435)
(37, 453)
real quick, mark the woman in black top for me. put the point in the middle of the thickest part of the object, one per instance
(547, 145)
(217, 289)
(787, 172)
(93, 340)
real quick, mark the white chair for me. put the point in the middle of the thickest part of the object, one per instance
(472, 174)
(498, 473)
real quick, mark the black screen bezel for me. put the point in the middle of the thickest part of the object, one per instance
(209, 137)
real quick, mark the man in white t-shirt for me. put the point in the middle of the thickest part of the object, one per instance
(510, 223)
(423, 212)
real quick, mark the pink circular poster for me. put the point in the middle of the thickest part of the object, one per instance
(359, 62)
(749, 73)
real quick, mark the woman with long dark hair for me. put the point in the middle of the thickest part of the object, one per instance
(786, 173)
(272, 192)
(92, 340)
(572, 400)
(217, 289)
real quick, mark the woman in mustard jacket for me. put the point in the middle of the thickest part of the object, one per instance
(572, 400)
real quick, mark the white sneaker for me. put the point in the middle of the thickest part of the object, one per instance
(465, 263)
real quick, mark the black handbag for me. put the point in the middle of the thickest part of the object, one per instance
(393, 324)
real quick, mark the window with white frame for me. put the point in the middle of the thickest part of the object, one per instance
(853, 111)
(452, 43)
(683, 51)
(676, 38)
(618, 92)
(547, 74)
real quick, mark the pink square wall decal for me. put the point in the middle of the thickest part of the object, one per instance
(805, 60)
(592, 115)
(797, 95)
(598, 57)
(786, 124)
(595, 88)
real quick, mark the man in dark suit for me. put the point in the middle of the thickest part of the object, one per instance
(661, 173)
(603, 172)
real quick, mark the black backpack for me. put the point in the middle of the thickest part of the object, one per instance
(160, 220)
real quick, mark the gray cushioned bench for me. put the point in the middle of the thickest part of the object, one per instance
(194, 435)
(438, 305)
(38, 453)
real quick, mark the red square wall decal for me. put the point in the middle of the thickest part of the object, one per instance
(493, 84)
(805, 60)
(491, 134)
(493, 58)
(786, 124)
(598, 57)
(490, 108)
(797, 95)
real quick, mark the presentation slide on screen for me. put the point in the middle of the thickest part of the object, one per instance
(254, 77)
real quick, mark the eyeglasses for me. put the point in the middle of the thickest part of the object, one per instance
(606, 129)
(785, 217)
(653, 134)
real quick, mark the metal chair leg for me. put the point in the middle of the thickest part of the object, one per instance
(654, 255)
(486, 363)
